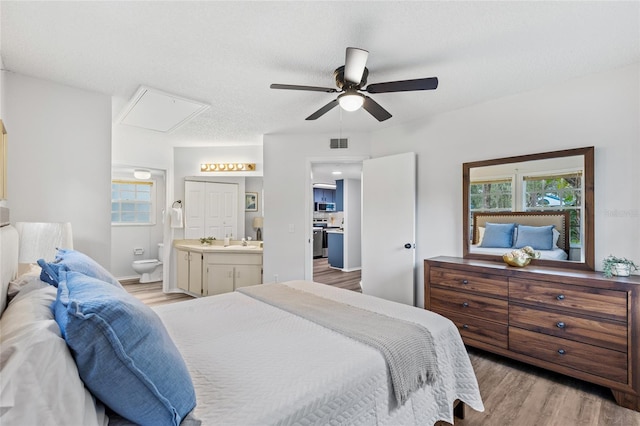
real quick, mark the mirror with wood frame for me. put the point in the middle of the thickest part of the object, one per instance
(543, 200)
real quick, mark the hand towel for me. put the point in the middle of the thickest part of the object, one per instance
(176, 217)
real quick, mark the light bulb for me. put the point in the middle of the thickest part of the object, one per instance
(350, 101)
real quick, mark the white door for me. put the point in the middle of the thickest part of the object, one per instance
(388, 227)
(194, 210)
(221, 212)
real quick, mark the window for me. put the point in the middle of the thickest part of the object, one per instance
(556, 192)
(491, 195)
(132, 202)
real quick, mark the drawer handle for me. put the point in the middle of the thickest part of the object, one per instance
(560, 297)
(465, 282)
(561, 351)
(465, 326)
(465, 305)
(560, 324)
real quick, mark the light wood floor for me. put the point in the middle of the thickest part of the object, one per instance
(323, 273)
(151, 293)
(514, 394)
(517, 394)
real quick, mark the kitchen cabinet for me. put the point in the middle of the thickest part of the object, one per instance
(189, 271)
(340, 195)
(323, 195)
(335, 242)
(226, 272)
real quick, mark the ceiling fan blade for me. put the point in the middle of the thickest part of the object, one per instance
(374, 108)
(429, 83)
(354, 64)
(322, 111)
(309, 88)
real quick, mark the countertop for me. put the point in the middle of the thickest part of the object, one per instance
(252, 247)
(335, 231)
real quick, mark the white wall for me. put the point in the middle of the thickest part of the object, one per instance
(253, 184)
(2, 73)
(287, 188)
(600, 110)
(352, 224)
(59, 159)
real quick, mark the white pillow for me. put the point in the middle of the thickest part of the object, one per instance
(556, 236)
(40, 381)
(480, 234)
(30, 278)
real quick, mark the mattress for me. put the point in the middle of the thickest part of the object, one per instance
(254, 364)
(554, 254)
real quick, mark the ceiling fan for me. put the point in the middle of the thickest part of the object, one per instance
(350, 79)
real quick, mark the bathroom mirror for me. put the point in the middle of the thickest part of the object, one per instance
(543, 182)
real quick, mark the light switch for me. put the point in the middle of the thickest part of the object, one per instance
(292, 228)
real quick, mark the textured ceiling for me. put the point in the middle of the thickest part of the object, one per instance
(228, 53)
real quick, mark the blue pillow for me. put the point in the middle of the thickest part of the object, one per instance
(537, 237)
(498, 235)
(72, 260)
(124, 354)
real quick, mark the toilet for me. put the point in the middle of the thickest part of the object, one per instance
(150, 269)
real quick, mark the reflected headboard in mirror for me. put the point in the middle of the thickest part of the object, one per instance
(526, 186)
(559, 246)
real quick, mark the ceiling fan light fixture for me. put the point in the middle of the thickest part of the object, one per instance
(350, 101)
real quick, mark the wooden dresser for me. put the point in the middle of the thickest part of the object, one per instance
(573, 322)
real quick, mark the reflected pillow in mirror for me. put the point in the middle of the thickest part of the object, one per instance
(538, 237)
(480, 234)
(498, 235)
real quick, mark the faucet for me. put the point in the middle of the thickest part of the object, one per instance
(244, 242)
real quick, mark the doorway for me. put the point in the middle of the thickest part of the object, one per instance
(387, 253)
(343, 223)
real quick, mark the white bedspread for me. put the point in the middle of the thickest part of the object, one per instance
(553, 254)
(254, 364)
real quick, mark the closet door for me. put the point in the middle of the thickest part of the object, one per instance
(194, 203)
(221, 210)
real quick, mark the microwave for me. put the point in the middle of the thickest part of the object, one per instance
(325, 207)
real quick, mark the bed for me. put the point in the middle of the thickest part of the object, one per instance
(554, 224)
(247, 359)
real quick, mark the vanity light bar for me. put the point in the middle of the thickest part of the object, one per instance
(227, 167)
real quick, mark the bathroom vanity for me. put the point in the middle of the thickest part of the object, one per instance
(206, 270)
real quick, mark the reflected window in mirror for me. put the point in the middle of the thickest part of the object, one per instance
(561, 191)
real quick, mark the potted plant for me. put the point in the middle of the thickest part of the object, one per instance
(618, 266)
(207, 241)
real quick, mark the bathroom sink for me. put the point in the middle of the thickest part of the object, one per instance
(241, 247)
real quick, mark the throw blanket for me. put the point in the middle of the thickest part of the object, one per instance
(407, 347)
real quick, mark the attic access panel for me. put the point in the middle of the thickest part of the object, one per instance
(160, 111)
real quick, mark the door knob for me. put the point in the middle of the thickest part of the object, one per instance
(408, 245)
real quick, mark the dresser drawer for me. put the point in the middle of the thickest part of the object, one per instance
(594, 360)
(610, 304)
(472, 281)
(469, 304)
(473, 329)
(596, 332)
